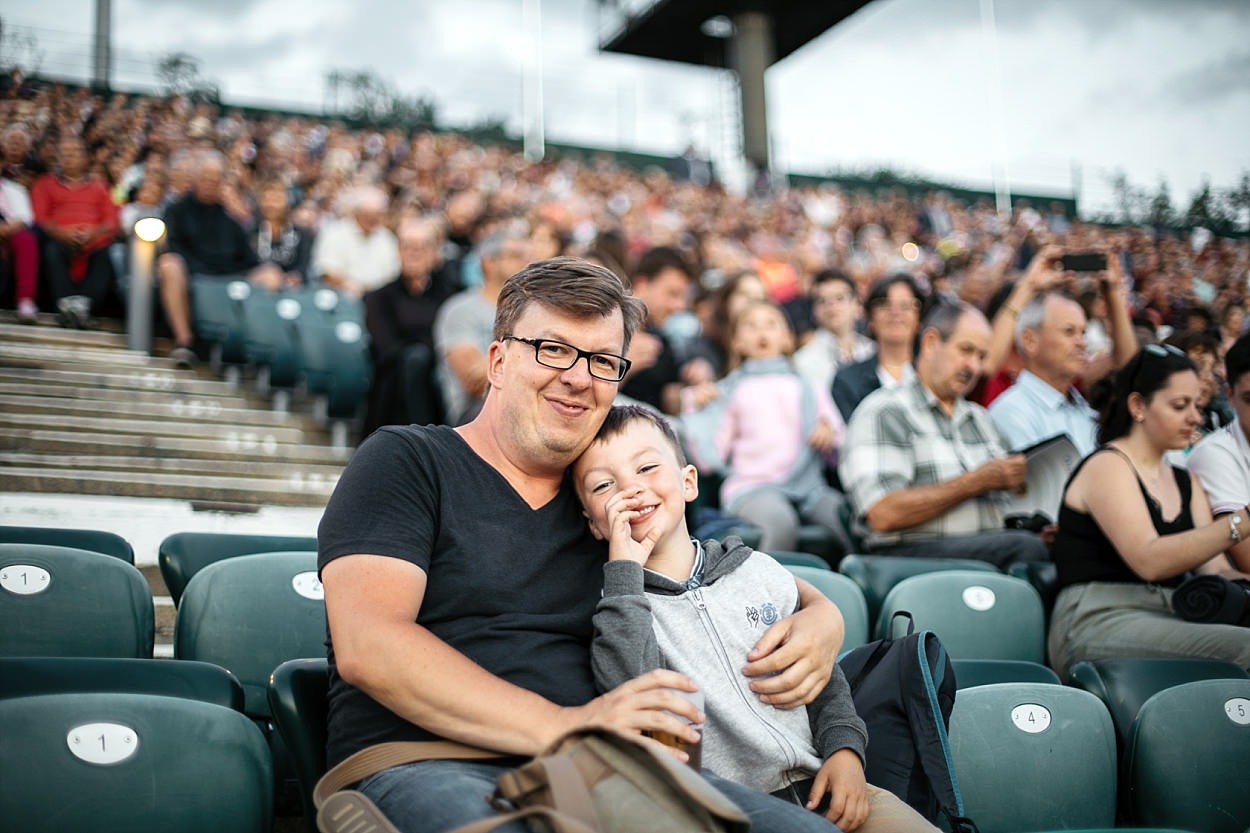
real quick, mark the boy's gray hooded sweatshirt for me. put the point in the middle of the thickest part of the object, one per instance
(646, 621)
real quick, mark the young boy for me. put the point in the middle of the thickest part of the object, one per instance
(699, 608)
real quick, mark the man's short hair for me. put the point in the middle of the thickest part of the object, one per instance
(492, 245)
(1237, 360)
(1033, 314)
(570, 286)
(620, 416)
(835, 276)
(945, 317)
(657, 259)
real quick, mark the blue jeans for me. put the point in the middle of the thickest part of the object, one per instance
(437, 796)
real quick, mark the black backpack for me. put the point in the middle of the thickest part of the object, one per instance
(904, 689)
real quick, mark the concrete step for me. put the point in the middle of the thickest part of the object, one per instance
(20, 354)
(180, 382)
(237, 491)
(294, 475)
(203, 412)
(58, 336)
(58, 390)
(246, 446)
(265, 435)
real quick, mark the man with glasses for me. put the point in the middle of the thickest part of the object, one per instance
(925, 468)
(461, 577)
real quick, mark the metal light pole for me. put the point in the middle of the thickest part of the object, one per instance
(139, 301)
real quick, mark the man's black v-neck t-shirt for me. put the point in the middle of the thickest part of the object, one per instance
(510, 587)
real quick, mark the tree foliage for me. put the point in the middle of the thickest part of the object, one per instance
(179, 74)
(362, 96)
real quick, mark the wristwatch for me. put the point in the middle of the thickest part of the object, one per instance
(1234, 527)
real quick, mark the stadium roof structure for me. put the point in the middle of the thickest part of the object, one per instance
(746, 36)
(696, 31)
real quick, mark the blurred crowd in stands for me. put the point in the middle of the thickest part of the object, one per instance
(411, 221)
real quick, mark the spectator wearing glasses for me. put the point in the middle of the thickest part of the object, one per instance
(463, 327)
(925, 468)
(894, 304)
(835, 343)
(1131, 526)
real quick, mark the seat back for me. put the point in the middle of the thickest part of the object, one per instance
(272, 321)
(876, 575)
(183, 554)
(1189, 758)
(977, 614)
(297, 699)
(250, 615)
(793, 558)
(335, 350)
(974, 672)
(1124, 685)
(117, 762)
(28, 676)
(846, 595)
(1033, 756)
(94, 540)
(217, 309)
(1043, 575)
(62, 602)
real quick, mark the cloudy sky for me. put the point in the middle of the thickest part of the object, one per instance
(1079, 89)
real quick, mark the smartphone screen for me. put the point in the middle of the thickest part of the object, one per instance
(1084, 262)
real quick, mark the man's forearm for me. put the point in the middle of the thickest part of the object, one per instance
(914, 505)
(427, 682)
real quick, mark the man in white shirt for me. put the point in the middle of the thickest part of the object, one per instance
(1222, 459)
(359, 253)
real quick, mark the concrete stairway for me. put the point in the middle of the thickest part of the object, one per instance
(93, 435)
(81, 414)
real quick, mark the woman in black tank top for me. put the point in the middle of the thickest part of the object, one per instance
(1131, 527)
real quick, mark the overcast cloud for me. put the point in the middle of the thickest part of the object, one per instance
(1156, 88)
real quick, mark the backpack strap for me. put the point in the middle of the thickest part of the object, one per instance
(882, 648)
(374, 759)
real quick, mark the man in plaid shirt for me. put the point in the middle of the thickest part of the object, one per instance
(925, 468)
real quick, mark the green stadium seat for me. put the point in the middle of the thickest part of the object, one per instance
(217, 312)
(1188, 758)
(183, 554)
(273, 339)
(297, 699)
(974, 672)
(791, 558)
(1044, 577)
(846, 595)
(60, 601)
(1033, 756)
(1125, 684)
(28, 676)
(335, 351)
(977, 614)
(95, 540)
(876, 574)
(109, 762)
(250, 615)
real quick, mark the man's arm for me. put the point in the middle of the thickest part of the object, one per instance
(468, 365)
(913, 505)
(371, 604)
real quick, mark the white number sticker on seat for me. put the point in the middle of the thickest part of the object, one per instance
(1031, 718)
(102, 743)
(1238, 711)
(308, 586)
(24, 579)
(979, 597)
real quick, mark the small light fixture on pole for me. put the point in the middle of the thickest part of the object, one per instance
(148, 231)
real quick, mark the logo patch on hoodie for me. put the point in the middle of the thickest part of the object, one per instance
(765, 614)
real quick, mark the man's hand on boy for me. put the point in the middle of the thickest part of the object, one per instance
(623, 508)
(793, 660)
(842, 777)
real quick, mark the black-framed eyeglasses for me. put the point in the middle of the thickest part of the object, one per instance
(560, 356)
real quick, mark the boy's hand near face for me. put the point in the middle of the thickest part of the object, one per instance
(842, 777)
(622, 508)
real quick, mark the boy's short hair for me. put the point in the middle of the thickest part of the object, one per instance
(620, 416)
